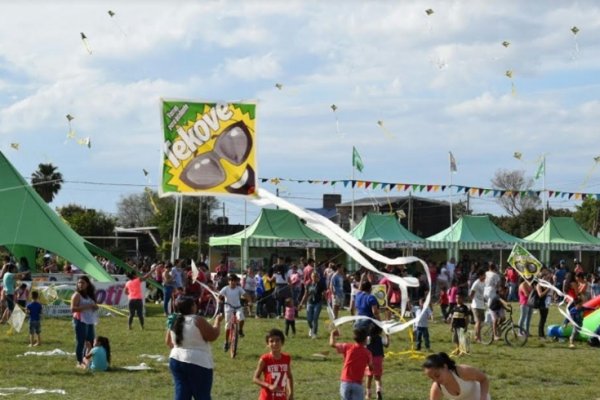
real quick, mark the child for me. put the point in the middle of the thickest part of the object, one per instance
(452, 295)
(276, 368)
(459, 319)
(21, 295)
(444, 301)
(356, 359)
(98, 358)
(422, 325)
(498, 305)
(290, 316)
(232, 295)
(375, 346)
(576, 313)
(34, 310)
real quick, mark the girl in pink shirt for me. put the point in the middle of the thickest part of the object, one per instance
(290, 316)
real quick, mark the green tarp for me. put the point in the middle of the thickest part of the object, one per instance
(275, 228)
(379, 231)
(563, 233)
(475, 233)
(27, 223)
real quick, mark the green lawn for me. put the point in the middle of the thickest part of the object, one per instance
(540, 370)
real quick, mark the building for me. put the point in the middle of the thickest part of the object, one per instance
(421, 216)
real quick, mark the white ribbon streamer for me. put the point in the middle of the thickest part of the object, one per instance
(353, 247)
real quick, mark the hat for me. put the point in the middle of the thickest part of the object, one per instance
(562, 262)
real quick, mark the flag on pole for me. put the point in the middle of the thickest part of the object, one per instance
(541, 168)
(356, 160)
(452, 163)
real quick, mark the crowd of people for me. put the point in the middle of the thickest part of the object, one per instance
(465, 293)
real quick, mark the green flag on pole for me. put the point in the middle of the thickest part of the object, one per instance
(356, 160)
(541, 169)
(523, 262)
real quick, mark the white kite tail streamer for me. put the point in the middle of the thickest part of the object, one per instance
(353, 247)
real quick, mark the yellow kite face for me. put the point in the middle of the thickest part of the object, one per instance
(212, 153)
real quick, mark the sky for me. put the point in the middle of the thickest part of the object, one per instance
(437, 82)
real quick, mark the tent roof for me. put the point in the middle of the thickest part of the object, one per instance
(384, 231)
(471, 232)
(563, 230)
(274, 228)
(28, 222)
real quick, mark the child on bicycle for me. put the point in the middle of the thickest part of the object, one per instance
(275, 367)
(497, 306)
(231, 295)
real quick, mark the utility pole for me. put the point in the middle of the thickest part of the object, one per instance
(468, 203)
(200, 228)
(410, 212)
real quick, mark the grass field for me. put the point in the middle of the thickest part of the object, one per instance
(540, 370)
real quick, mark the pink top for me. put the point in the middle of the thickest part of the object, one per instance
(134, 289)
(452, 294)
(523, 295)
(290, 313)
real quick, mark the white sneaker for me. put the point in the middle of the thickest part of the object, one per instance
(310, 333)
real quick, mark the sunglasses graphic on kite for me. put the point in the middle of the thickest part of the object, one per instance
(205, 170)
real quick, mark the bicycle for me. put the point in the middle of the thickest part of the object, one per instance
(507, 329)
(233, 334)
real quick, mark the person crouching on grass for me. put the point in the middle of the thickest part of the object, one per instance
(275, 367)
(357, 358)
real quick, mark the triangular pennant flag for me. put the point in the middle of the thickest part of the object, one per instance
(570, 195)
(436, 188)
(375, 185)
(429, 187)
(325, 182)
(584, 196)
(333, 183)
(550, 193)
(486, 191)
(577, 196)
(346, 183)
(472, 191)
(353, 183)
(263, 180)
(480, 192)
(563, 194)
(360, 184)
(443, 188)
(421, 188)
(496, 193)
(502, 193)
(309, 181)
(367, 184)
(399, 186)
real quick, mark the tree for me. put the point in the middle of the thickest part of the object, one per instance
(137, 210)
(527, 222)
(588, 214)
(46, 181)
(515, 181)
(88, 222)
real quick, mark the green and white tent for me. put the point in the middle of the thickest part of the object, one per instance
(28, 223)
(473, 233)
(380, 231)
(275, 228)
(564, 233)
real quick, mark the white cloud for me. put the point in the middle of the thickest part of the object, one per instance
(249, 68)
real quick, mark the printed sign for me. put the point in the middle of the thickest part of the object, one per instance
(208, 148)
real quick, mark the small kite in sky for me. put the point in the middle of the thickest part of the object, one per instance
(597, 159)
(145, 171)
(85, 142)
(279, 86)
(71, 132)
(509, 75)
(113, 17)
(517, 155)
(337, 122)
(429, 11)
(84, 39)
(385, 130)
(506, 43)
(575, 31)
(15, 146)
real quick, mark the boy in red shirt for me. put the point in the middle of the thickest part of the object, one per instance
(278, 382)
(356, 359)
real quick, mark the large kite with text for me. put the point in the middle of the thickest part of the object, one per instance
(208, 148)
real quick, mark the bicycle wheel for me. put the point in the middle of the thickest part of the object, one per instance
(513, 337)
(233, 339)
(487, 333)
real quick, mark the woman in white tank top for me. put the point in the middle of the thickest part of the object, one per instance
(455, 382)
(190, 360)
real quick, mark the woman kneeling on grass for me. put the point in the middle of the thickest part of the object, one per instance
(190, 360)
(455, 382)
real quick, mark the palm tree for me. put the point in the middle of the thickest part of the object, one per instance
(46, 181)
